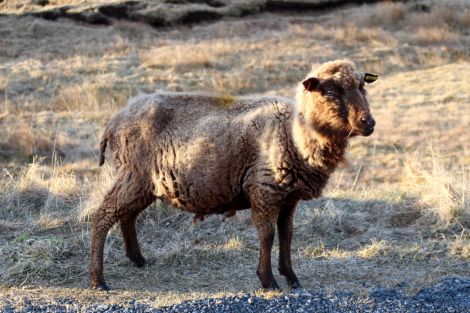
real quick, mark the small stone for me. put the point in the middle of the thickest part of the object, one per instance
(102, 307)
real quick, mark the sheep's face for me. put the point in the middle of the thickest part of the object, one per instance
(337, 106)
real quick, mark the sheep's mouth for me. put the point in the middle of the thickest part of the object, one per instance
(363, 132)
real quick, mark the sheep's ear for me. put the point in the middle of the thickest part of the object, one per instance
(370, 77)
(310, 83)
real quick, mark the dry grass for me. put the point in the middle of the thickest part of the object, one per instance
(39, 191)
(427, 35)
(398, 213)
(441, 15)
(443, 191)
(461, 248)
(386, 13)
(185, 57)
(21, 139)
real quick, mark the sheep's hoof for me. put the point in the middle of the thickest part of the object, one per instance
(101, 287)
(140, 262)
(273, 287)
(295, 285)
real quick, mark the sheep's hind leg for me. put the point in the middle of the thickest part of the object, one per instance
(125, 199)
(103, 220)
(128, 229)
(285, 223)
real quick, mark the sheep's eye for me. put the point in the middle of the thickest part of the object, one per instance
(330, 93)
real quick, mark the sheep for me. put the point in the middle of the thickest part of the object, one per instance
(209, 154)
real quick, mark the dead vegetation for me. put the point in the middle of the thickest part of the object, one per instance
(160, 13)
(399, 213)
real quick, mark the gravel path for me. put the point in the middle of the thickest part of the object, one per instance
(451, 295)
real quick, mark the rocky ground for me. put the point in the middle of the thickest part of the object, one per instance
(159, 13)
(451, 295)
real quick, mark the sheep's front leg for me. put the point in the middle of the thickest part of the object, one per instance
(264, 214)
(285, 224)
(264, 271)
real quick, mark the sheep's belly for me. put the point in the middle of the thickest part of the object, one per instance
(208, 205)
(199, 197)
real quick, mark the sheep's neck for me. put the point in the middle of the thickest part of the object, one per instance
(321, 152)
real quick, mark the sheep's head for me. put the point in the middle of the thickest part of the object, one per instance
(332, 100)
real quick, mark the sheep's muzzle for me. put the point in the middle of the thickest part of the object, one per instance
(364, 126)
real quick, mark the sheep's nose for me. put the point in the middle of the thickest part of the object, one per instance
(368, 121)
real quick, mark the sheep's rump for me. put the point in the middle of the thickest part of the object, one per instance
(195, 151)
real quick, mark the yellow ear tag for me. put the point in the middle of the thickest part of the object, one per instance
(370, 77)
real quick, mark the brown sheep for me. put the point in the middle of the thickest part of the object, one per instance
(207, 154)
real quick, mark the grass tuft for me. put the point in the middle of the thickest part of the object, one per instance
(39, 192)
(444, 192)
(374, 249)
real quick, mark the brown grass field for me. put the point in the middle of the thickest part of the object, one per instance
(398, 213)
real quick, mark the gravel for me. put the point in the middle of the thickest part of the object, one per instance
(450, 295)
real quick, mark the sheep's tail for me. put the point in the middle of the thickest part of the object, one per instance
(103, 144)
